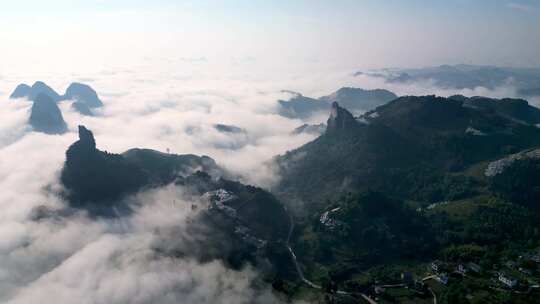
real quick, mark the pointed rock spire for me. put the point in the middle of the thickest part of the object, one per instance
(86, 138)
(340, 120)
(39, 87)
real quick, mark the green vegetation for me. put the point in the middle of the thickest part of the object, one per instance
(427, 149)
(409, 187)
(520, 183)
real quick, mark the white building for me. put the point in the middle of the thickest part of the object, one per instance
(436, 266)
(442, 278)
(508, 281)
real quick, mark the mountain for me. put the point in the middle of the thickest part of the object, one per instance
(359, 231)
(46, 116)
(516, 178)
(228, 129)
(233, 222)
(31, 93)
(97, 181)
(463, 76)
(518, 110)
(83, 93)
(82, 108)
(300, 106)
(163, 168)
(419, 179)
(90, 175)
(340, 121)
(94, 178)
(230, 221)
(310, 129)
(85, 98)
(355, 100)
(232, 138)
(21, 91)
(358, 100)
(252, 206)
(413, 148)
(40, 87)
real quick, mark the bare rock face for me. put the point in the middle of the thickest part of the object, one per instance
(340, 120)
(46, 116)
(86, 138)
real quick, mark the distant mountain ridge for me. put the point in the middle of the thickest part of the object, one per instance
(463, 76)
(83, 93)
(355, 100)
(39, 87)
(85, 98)
(518, 110)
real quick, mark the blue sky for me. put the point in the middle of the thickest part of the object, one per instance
(345, 33)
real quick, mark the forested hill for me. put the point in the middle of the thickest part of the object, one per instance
(413, 148)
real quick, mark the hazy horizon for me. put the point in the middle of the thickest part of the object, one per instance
(81, 36)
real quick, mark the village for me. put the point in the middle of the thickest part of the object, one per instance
(512, 276)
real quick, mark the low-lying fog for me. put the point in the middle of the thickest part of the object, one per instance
(171, 108)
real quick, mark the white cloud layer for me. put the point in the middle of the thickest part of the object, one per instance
(158, 105)
(75, 259)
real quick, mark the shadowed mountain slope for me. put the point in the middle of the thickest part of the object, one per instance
(407, 148)
(46, 117)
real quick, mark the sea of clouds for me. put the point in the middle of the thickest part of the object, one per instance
(169, 106)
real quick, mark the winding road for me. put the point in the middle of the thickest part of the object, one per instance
(434, 295)
(341, 292)
(301, 273)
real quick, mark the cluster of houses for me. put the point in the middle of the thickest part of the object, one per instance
(507, 280)
(217, 200)
(503, 277)
(442, 277)
(329, 222)
(463, 269)
(442, 273)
